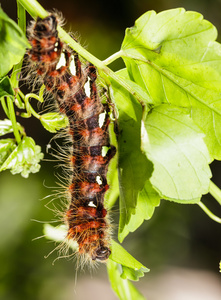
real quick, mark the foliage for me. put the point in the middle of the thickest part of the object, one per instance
(168, 105)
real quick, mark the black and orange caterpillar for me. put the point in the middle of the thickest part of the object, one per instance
(86, 216)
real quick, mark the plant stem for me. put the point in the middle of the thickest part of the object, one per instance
(4, 106)
(14, 78)
(209, 213)
(21, 17)
(113, 57)
(22, 24)
(35, 9)
(215, 192)
(29, 108)
(12, 117)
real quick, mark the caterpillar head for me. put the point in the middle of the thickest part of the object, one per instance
(101, 254)
(46, 26)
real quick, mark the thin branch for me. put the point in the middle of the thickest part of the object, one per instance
(209, 213)
(112, 58)
(215, 192)
(13, 119)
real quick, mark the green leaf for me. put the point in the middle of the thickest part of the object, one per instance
(122, 266)
(134, 168)
(6, 147)
(176, 52)
(24, 158)
(6, 127)
(6, 88)
(13, 43)
(147, 200)
(136, 88)
(124, 289)
(112, 194)
(131, 274)
(176, 147)
(121, 256)
(54, 121)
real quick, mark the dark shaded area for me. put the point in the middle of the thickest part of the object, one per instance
(179, 235)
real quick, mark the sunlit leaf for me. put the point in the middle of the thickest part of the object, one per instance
(121, 256)
(53, 121)
(174, 56)
(6, 87)
(176, 147)
(6, 127)
(24, 158)
(6, 147)
(124, 289)
(13, 43)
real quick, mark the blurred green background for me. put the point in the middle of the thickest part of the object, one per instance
(180, 244)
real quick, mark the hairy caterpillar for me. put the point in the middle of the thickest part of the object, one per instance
(86, 216)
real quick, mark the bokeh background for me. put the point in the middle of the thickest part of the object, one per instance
(180, 244)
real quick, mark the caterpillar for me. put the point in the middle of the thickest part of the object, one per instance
(86, 217)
